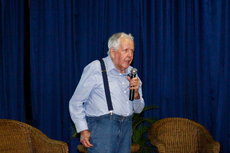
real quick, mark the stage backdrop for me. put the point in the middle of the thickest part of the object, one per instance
(12, 102)
(181, 53)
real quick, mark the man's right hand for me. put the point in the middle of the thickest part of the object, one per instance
(84, 138)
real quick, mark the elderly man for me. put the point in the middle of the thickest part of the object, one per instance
(101, 129)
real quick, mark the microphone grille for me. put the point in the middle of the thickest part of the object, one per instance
(133, 71)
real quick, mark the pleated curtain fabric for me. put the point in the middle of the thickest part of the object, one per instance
(12, 100)
(181, 53)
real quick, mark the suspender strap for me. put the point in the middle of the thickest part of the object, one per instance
(106, 86)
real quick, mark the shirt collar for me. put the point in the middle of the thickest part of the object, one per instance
(110, 66)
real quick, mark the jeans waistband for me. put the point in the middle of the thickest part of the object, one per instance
(111, 117)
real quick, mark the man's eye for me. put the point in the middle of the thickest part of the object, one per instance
(126, 50)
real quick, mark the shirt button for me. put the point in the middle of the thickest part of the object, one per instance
(127, 102)
(123, 83)
(124, 91)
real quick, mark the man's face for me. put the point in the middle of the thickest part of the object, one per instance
(123, 57)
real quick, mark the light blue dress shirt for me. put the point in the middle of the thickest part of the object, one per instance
(89, 97)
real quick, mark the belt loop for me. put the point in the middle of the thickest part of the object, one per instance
(110, 117)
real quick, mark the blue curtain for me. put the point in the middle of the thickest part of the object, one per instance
(52, 63)
(186, 62)
(12, 104)
(219, 71)
(181, 53)
(95, 21)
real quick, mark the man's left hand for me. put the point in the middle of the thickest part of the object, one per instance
(134, 84)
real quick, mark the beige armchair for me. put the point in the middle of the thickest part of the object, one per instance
(180, 135)
(19, 137)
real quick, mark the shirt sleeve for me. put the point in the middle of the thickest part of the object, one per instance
(80, 97)
(138, 105)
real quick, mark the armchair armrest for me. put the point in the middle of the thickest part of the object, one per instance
(212, 147)
(161, 147)
(41, 143)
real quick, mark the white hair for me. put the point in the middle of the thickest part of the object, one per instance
(114, 40)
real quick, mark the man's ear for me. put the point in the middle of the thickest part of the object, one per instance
(112, 53)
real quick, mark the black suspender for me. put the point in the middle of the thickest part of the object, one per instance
(106, 86)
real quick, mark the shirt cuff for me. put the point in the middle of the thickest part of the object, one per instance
(81, 126)
(138, 105)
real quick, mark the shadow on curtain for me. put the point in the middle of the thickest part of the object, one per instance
(12, 104)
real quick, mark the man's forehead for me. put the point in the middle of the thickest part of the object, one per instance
(125, 41)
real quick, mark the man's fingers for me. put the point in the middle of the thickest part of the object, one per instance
(134, 84)
(128, 77)
(85, 138)
(86, 143)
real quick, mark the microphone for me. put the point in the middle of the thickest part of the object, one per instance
(133, 75)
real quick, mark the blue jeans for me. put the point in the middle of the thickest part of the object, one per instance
(110, 134)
